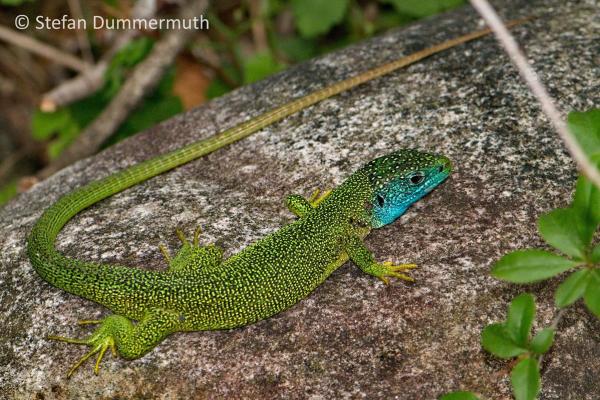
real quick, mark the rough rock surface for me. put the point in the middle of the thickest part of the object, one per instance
(353, 337)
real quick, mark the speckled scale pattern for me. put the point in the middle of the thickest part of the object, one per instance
(199, 291)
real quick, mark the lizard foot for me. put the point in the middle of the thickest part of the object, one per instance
(317, 197)
(387, 269)
(184, 240)
(192, 256)
(123, 338)
(100, 341)
(196, 243)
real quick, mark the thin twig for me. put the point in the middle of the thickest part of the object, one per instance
(259, 32)
(554, 325)
(91, 80)
(82, 39)
(528, 74)
(144, 78)
(75, 89)
(42, 49)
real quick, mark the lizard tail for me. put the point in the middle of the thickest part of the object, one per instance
(75, 276)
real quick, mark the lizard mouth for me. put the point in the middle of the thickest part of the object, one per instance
(444, 168)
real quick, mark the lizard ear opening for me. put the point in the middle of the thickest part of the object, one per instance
(380, 200)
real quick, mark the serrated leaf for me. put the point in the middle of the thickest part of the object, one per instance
(524, 266)
(525, 379)
(519, 320)
(542, 341)
(586, 201)
(459, 396)
(592, 293)
(560, 228)
(496, 340)
(586, 128)
(572, 289)
(317, 17)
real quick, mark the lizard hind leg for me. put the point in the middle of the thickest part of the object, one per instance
(122, 337)
(192, 256)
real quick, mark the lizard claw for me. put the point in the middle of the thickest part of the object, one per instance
(100, 341)
(317, 197)
(99, 345)
(388, 269)
(89, 322)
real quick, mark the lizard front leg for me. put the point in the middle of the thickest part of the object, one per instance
(363, 258)
(300, 206)
(124, 338)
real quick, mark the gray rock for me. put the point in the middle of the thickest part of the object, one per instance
(353, 337)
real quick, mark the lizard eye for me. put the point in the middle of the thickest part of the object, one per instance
(440, 168)
(380, 200)
(416, 178)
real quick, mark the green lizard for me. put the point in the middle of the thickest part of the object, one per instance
(200, 290)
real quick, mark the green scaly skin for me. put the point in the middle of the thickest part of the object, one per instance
(200, 291)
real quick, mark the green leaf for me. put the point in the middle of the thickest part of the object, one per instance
(8, 191)
(459, 396)
(296, 48)
(271, 8)
(496, 340)
(592, 293)
(259, 66)
(542, 341)
(525, 379)
(586, 128)
(317, 17)
(217, 87)
(521, 313)
(572, 289)
(134, 52)
(46, 124)
(391, 19)
(14, 2)
(561, 228)
(587, 201)
(66, 137)
(423, 8)
(524, 266)
(595, 256)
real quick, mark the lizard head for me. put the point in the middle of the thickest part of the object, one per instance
(399, 179)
